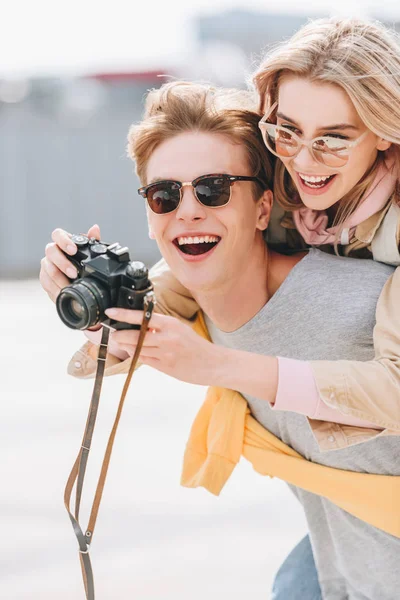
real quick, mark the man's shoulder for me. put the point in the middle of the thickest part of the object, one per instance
(348, 264)
(338, 276)
(331, 274)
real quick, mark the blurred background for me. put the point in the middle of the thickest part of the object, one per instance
(73, 77)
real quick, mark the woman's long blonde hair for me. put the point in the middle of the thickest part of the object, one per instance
(361, 57)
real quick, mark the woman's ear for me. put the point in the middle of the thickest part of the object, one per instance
(383, 144)
(264, 206)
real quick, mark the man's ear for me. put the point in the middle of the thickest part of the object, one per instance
(264, 210)
(151, 232)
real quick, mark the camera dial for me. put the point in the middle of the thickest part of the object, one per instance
(98, 249)
(136, 269)
(80, 240)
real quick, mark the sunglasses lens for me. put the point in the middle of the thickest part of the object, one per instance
(280, 141)
(163, 197)
(331, 152)
(213, 191)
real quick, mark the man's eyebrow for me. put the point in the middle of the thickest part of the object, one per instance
(325, 128)
(158, 179)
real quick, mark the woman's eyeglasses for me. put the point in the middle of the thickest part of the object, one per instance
(332, 152)
(213, 191)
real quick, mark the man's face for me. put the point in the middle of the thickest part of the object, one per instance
(233, 230)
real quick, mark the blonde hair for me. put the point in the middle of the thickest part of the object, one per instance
(180, 107)
(363, 58)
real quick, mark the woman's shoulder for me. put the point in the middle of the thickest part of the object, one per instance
(385, 244)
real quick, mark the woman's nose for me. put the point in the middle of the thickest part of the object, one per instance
(304, 159)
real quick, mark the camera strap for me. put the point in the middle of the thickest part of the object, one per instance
(77, 474)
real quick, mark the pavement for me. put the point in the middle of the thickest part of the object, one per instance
(154, 540)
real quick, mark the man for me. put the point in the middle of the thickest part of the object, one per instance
(207, 182)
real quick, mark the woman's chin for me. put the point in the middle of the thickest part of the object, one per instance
(318, 202)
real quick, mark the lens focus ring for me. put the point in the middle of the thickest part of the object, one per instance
(82, 304)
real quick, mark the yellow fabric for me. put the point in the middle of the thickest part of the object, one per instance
(224, 430)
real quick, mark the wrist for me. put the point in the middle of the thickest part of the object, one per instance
(248, 373)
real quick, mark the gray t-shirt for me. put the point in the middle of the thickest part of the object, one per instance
(325, 310)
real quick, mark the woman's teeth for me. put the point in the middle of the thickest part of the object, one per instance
(315, 181)
(206, 239)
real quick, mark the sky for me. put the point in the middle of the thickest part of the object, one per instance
(47, 37)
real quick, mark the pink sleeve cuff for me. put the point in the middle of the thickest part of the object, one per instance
(298, 392)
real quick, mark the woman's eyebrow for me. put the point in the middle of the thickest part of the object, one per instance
(325, 128)
(340, 126)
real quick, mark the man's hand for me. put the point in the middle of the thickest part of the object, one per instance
(170, 346)
(56, 270)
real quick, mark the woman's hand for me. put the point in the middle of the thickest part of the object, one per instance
(175, 349)
(56, 271)
(169, 346)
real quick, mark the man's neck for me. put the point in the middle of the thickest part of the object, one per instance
(231, 307)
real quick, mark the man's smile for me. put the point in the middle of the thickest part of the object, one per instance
(195, 245)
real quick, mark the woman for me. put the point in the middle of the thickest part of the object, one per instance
(331, 98)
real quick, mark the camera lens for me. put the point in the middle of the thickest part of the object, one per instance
(77, 309)
(82, 304)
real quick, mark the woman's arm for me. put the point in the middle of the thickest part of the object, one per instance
(366, 394)
(369, 390)
(178, 351)
(360, 393)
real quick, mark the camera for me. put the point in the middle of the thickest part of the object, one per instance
(106, 277)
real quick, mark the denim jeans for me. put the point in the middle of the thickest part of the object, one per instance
(297, 577)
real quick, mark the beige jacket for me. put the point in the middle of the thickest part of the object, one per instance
(367, 390)
(377, 237)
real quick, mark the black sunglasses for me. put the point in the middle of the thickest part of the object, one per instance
(212, 191)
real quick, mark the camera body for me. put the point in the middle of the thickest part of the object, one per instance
(106, 278)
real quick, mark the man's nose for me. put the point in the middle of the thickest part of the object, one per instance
(190, 208)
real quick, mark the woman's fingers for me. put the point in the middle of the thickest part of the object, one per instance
(131, 337)
(135, 317)
(145, 353)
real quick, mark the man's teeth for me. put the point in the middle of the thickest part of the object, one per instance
(206, 239)
(316, 179)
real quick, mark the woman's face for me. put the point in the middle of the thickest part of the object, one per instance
(313, 109)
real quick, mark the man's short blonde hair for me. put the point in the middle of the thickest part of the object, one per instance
(181, 107)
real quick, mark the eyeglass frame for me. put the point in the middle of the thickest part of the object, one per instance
(307, 143)
(142, 191)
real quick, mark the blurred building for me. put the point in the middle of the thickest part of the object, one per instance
(63, 163)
